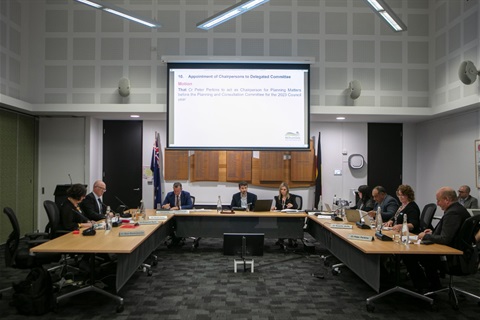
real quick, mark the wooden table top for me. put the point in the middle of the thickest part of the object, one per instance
(101, 242)
(383, 247)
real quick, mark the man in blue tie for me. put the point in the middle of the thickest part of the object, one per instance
(92, 206)
(177, 199)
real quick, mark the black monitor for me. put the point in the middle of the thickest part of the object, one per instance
(243, 244)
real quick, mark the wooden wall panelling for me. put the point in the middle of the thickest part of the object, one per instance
(176, 165)
(271, 166)
(205, 166)
(238, 166)
(303, 165)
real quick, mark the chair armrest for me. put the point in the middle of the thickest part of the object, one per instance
(36, 242)
(36, 235)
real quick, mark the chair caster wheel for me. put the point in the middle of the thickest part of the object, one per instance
(370, 307)
(149, 273)
(120, 308)
(154, 263)
(335, 271)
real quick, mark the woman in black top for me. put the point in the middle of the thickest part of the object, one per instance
(284, 200)
(71, 216)
(409, 207)
(365, 201)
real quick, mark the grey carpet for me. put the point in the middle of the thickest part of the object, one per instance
(201, 285)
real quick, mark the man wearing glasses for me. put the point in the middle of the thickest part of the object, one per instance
(386, 202)
(465, 199)
(93, 206)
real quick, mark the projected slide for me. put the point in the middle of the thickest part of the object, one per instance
(248, 107)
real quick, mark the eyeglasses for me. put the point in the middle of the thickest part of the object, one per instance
(102, 188)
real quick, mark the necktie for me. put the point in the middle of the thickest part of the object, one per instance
(100, 205)
(177, 201)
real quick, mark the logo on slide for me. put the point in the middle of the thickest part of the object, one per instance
(292, 136)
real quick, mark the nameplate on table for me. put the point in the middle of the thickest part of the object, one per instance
(131, 233)
(341, 226)
(157, 217)
(180, 211)
(360, 237)
(155, 221)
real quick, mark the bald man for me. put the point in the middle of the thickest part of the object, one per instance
(446, 232)
(92, 206)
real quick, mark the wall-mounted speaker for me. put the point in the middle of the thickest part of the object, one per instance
(124, 87)
(467, 72)
(355, 89)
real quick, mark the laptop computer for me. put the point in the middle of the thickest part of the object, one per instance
(327, 207)
(353, 215)
(263, 205)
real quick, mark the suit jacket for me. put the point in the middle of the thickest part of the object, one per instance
(389, 206)
(413, 216)
(237, 200)
(185, 200)
(446, 231)
(70, 216)
(471, 203)
(278, 203)
(364, 205)
(90, 208)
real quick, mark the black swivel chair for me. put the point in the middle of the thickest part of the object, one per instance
(466, 264)
(173, 240)
(196, 240)
(54, 231)
(17, 250)
(427, 215)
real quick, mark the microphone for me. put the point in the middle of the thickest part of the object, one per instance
(71, 183)
(361, 224)
(121, 202)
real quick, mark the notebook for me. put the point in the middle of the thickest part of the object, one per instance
(353, 215)
(263, 205)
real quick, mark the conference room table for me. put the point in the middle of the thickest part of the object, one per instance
(210, 224)
(131, 251)
(353, 247)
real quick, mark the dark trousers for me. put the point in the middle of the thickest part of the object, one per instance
(423, 270)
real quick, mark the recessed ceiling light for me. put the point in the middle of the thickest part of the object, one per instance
(340, 118)
(134, 116)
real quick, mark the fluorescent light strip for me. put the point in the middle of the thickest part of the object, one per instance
(229, 13)
(223, 18)
(119, 12)
(390, 21)
(126, 16)
(89, 3)
(381, 8)
(375, 5)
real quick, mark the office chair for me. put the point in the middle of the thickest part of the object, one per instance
(17, 250)
(173, 240)
(54, 231)
(196, 241)
(292, 242)
(463, 265)
(427, 215)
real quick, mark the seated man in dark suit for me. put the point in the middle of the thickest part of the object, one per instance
(177, 199)
(244, 199)
(465, 199)
(424, 269)
(387, 203)
(92, 206)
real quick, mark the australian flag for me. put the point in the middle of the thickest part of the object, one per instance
(156, 167)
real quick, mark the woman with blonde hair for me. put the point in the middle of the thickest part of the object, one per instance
(284, 200)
